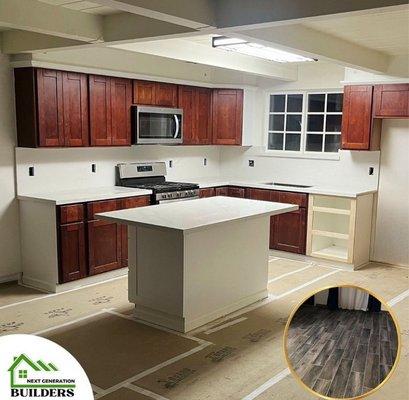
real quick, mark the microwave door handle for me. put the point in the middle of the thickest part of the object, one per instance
(177, 127)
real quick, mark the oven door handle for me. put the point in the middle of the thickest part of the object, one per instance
(177, 127)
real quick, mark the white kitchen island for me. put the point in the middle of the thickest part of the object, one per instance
(191, 262)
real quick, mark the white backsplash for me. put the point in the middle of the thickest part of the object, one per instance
(61, 169)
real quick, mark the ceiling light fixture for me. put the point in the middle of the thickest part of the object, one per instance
(257, 50)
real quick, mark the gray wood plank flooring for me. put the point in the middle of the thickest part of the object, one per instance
(342, 353)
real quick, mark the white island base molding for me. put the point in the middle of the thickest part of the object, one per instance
(190, 278)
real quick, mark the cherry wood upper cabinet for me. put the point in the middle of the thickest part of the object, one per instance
(187, 95)
(51, 108)
(75, 109)
(227, 116)
(196, 105)
(110, 110)
(357, 117)
(100, 110)
(391, 101)
(155, 93)
(121, 101)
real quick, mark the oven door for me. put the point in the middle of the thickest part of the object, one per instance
(174, 200)
(159, 125)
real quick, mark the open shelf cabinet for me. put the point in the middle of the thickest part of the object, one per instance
(335, 233)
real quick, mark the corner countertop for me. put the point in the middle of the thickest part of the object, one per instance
(84, 195)
(340, 191)
(196, 214)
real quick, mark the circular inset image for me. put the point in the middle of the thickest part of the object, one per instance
(342, 342)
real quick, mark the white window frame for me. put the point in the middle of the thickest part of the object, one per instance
(302, 153)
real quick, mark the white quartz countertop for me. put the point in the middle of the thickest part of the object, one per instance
(340, 191)
(196, 214)
(84, 195)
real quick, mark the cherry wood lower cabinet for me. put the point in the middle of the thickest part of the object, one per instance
(207, 192)
(234, 191)
(72, 255)
(287, 231)
(89, 246)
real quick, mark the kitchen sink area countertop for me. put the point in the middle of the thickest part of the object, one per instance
(269, 183)
(84, 195)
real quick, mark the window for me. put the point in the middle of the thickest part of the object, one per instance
(22, 373)
(305, 122)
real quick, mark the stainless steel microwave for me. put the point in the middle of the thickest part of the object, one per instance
(157, 125)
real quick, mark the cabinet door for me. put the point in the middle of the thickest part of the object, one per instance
(104, 246)
(207, 192)
(100, 110)
(236, 192)
(166, 94)
(50, 108)
(186, 101)
(391, 101)
(203, 116)
(144, 92)
(75, 109)
(227, 116)
(130, 202)
(259, 194)
(121, 100)
(288, 231)
(72, 252)
(357, 118)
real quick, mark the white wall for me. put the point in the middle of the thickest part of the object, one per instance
(392, 225)
(9, 231)
(60, 169)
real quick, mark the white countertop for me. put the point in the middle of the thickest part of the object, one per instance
(84, 195)
(196, 214)
(340, 191)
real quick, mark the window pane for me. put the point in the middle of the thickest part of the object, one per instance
(314, 143)
(334, 102)
(333, 123)
(277, 103)
(316, 102)
(315, 123)
(292, 141)
(275, 141)
(332, 143)
(293, 122)
(276, 122)
(294, 103)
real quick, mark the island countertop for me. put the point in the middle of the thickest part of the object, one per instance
(198, 213)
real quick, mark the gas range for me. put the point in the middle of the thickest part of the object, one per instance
(151, 176)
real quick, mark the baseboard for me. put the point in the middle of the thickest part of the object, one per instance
(59, 288)
(10, 278)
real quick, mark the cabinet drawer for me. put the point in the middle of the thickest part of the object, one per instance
(259, 194)
(133, 202)
(222, 191)
(71, 213)
(95, 207)
(206, 192)
(236, 192)
(293, 198)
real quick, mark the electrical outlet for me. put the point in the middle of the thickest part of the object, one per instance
(93, 168)
(170, 163)
(205, 161)
(30, 171)
(251, 163)
(371, 170)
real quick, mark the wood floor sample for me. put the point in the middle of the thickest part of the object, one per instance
(342, 353)
(112, 349)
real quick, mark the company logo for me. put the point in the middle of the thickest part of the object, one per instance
(30, 375)
(27, 374)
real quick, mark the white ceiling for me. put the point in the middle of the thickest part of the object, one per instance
(85, 6)
(387, 32)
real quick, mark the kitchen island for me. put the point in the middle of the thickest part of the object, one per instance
(193, 261)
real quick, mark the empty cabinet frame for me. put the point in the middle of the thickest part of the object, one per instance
(339, 228)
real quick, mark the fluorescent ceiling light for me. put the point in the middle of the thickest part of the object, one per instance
(256, 50)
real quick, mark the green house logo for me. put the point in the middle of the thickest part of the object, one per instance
(25, 373)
